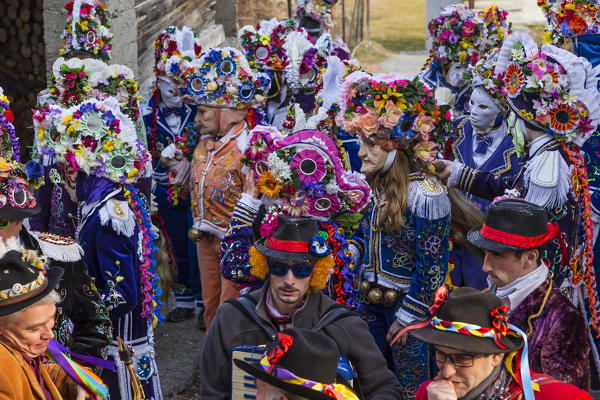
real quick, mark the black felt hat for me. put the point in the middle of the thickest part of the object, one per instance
(312, 356)
(469, 306)
(292, 241)
(512, 225)
(24, 280)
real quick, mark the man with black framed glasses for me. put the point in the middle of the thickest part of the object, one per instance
(479, 354)
(295, 261)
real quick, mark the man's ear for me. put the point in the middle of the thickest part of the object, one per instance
(531, 257)
(497, 358)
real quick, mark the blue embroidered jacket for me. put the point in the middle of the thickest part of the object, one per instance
(414, 260)
(544, 179)
(164, 135)
(503, 163)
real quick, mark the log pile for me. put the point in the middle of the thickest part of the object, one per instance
(23, 66)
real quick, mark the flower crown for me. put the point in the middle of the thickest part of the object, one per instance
(570, 19)
(87, 30)
(304, 175)
(483, 74)
(458, 35)
(94, 136)
(9, 144)
(497, 25)
(263, 43)
(174, 50)
(551, 88)
(306, 61)
(394, 112)
(222, 77)
(319, 10)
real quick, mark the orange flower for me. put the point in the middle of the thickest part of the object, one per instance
(563, 118)
(578, 25)
(426, 151)
(391, 116)
(513, 80)
(269, 186)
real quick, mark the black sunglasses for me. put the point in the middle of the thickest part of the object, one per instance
(300, 271)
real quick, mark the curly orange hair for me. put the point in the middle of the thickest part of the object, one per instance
(318, 278)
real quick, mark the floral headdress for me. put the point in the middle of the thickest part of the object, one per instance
(497, 25)
(567, 18)
(306, 61)
(483, 74)
(552, 89)
(87, 30)
(458, 35)
(9, 144)
(17, 183)
(395, 112)
(263, 43)
(304, 175)
(222, 77)
(319, 10)
(94, 136)
(174, 51)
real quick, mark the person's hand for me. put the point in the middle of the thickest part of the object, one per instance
(250, 185)
(171, 156)
(442, 168)
(393, 331)
(441, 389)
(83, 394)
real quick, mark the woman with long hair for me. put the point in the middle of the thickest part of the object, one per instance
(401, 245)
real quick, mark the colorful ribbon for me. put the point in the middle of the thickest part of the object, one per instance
(288, 245)
(86, 379)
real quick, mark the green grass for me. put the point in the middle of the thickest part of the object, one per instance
(398, 25)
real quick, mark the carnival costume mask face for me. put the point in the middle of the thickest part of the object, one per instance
(206, 117)
(170, 95)
(373, 157)
(483, 110)
(454, 77)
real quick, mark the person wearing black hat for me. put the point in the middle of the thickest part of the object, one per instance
(479, 354)
(295, 261)
(513, 237)
(299, 364)
(27, 307)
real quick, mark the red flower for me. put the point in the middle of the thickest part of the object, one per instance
(9, 115)
(578, 25)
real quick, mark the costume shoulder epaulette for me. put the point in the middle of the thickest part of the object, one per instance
(121, 217)
(428, 198)
(58, 247)
(549, 178)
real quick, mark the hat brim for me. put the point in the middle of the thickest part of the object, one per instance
(467, 343)
(256, 371)
(477, 239)
(280, 255)
(14, 213)
(53, 275)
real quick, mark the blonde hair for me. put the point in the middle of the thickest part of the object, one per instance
(318, 278)
(395, 186)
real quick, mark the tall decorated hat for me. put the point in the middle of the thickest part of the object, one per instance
(174, 51)
(458, 35)
(307, 61)
(398, 113)
(9, 144)
(551, 89)
(221, 77)
(320, 11)
(87, 30)
(94, 136)
(16, 183)
(263, 44)
(570, 19)
(498, 27)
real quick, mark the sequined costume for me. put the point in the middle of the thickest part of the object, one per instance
(413, 262)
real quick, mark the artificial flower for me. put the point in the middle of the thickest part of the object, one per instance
(268, 185)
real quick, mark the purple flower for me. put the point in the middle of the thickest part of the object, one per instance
(453, 38)
(313, 189)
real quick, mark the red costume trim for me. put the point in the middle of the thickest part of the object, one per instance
(518, 240)
(288, 245)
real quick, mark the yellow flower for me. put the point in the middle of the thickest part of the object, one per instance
(66, 119)
(95, 50)
(87, 88)
(41, 132)
(392, 95)
(570, 6)
(132, 173)
(76, 124)
(526, 114)
(83, 25)
(462, 57)
(265, 40)
(70, 129)
(547, 38)
(4, 165)
(211, 87)
(109, 146)
(269, 186)
(114, 75)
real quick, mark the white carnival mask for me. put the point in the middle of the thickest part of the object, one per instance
(483, 110)
(455, 75)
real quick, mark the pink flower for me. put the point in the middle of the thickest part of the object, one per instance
(424, 125)
(367, 123)
(445, 35)
(72, 160)
(351, 93)
(82, 74)
(426, 151)
(391, 116)
(468, 28)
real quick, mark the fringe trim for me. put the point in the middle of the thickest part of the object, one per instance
(71, 252)
(428, 199)
(121, 225)
(544, 193)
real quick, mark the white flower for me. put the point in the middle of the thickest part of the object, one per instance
(332, 188)
(532, 82)
(516, 53)
(279, 167)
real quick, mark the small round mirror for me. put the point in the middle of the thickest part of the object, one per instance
(261, 53)
(226, 67)
(94, 124)
(118, 162)
(91, 37)
(323, 204)
(308, 166)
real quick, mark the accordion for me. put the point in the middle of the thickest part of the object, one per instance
(243, 385)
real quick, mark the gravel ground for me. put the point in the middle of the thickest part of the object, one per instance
(178, 349)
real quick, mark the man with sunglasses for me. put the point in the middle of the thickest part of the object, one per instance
(295, 265)
(479, 354)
